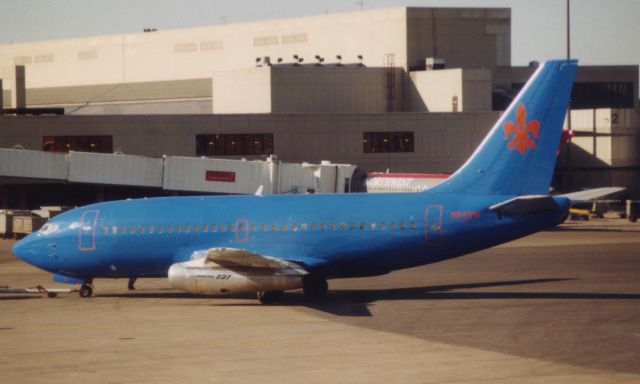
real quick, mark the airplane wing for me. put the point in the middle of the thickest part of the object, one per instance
(524, 204)
(591, 194)
(232, 270)
(233, 257)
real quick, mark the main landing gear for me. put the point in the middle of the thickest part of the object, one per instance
(314, 286)
(86, 289)
(270, 297)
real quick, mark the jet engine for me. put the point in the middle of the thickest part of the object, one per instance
(206, 277)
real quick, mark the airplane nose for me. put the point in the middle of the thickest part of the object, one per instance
(24, 250)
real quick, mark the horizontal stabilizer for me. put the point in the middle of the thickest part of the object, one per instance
(591, 194)
(525, 204)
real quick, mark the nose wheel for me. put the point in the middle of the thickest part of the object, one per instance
(86, 290)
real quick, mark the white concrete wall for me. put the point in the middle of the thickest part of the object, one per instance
(464, 37)
(311, 89)
(242, 91)
(451, 90)
(197, 52)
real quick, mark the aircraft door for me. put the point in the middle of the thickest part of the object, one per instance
(242, 230)
(87, 230)
(433, 226)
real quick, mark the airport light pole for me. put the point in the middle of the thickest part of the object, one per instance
(568, 175)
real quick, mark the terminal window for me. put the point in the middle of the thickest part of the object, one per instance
(602, 95)
(98, 144)
(385, 142)
(228, 144)
(583, 96)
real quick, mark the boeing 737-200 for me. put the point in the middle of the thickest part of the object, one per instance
(270, 244)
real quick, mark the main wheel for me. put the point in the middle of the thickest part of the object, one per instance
(314, 286)
(86, 290)
(270, 297)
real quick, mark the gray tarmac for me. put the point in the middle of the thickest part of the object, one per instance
(562, 306)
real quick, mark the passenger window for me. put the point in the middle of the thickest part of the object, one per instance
(382, 226)
(114, 230)
(205, 228)
(284, 227)
(343, 226)
(303, 226)
(187, 228)
(294, 227)
(105, 230)
(214, 228)
(332, 226)
(196, 228)
(402, 225)
(253, 227)
(232, 227)
(372, 226)
(169, 228)
(160, 228)
(132, 229)
(141, 228)
(223, 228)
(323, 226)
(352, 226)
(274, 227)
(362, 225)
(413, 225)
(392, 226)
(314, 227)
(264, 227)
(178, 229)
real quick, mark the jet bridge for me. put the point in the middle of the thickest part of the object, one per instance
(174, 173)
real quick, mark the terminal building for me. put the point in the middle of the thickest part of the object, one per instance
(403, 89)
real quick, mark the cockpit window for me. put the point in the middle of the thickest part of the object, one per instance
(49, 228)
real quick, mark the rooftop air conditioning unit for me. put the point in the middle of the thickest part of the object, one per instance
(434, 63)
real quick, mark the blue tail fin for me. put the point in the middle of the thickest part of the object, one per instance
(519, 154)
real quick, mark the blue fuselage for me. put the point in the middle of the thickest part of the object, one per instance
(333, 235)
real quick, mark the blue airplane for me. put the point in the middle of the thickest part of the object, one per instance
(270, 244)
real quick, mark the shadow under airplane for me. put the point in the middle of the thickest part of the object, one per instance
(355, 302)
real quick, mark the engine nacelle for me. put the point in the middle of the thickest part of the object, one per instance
(208, 278)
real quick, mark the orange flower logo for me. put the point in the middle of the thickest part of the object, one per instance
(521, 140)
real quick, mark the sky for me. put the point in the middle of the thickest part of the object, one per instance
(602, 31)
